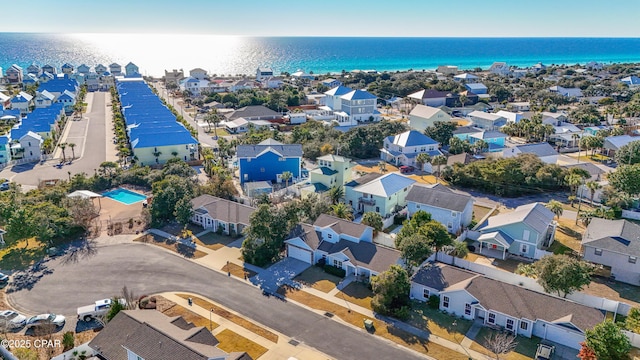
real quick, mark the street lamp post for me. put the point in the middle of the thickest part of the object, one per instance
(210, 322)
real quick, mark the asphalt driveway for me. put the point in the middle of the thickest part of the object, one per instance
(73, 282)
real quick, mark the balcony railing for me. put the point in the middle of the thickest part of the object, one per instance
(367, 201)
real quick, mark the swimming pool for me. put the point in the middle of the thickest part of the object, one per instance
(124, 196)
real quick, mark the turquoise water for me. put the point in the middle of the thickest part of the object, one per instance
(124, 196)
(154, 53)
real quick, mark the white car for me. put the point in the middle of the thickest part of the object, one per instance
(43, 319)
(12, 319)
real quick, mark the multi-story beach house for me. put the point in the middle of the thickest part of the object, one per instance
(352, 107)
(402, 149)
(67, 69)
(14, 74)
(384, 194)
(34, 69)
(50, 69)
(115, 69)
(131, 70)
(268, 160)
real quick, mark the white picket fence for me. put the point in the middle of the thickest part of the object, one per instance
(633, 337)
(531, 284)
(633, 215)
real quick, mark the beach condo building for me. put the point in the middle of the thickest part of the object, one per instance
(34, 69)
(14, 74)
(384, 194)
(131, 70)
(268, 160)
(173, 77)
(154, 133)
(115, 69)
(263, 72)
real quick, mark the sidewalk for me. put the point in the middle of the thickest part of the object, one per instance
(280, 350)
(217, 259)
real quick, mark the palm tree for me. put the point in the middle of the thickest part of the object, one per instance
(480, 145)
(422, 159)
(286, 176)
(555, 207)
(335, 194)
(576, 137)
(593, 187)
(174, 153)
(73, 152)
(382, 166)
(574, 180)
(458, 249)
(439, 160)
(63, 146)
(342, 210)
(463, 100)
(157, 155)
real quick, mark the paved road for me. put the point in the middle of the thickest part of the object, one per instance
(145, 269)
(92, 150)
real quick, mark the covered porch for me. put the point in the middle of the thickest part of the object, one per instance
(494, 244)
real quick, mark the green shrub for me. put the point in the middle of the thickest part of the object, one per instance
(330, 269)
(68, 341)
(434, 301)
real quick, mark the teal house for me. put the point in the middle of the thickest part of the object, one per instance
(521, 232)
(5, 150)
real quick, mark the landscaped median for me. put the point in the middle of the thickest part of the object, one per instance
(381, 328)
(171, 245)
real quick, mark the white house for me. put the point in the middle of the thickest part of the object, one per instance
(512, 117)
(447, 69)
(402, 149)
(568, 92)
(498, 304)
(263, 73)
(543, 151)
(632, 81)
(519, 106)
(422, 116)
(342, 244)
(44, 99)
(500, 68)
(331, 83)
(29, 147)
(467, 78)
(357, 106)
(452, 209)
(198, 73)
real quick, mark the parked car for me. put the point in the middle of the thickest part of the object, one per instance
(4, 186)
(10, 319)
(44, 319)
(4, 278)
(405, 169)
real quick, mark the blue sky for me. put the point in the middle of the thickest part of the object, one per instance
(464, 18)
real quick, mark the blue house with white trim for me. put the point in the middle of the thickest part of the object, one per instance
(402, 149)
(267, 161)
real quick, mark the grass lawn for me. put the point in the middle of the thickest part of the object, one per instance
(316, 278)
(231, 342)
(214, 241)
(221, 131)
(437, 323)
(526, 348)
(176, 247)
(22, 254)
(568, 237)
(238, 271)
(190, 316)
(258, 330)
(357, 293)
(381, 328)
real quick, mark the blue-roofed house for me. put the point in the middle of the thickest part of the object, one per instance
(84, 69)
(402, 149)
(520, 232)
(58, 85)
(21, 102)
(44, 99)
(50, 69)
(34, 69)
(476, 88)
(385, 194)
(67, 68)
(45, 77)
(267, 161)
(5, 150)
(357, 106)
(332, 97)
(632, 81)
(68, 99)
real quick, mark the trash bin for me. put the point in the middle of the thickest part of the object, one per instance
(190, 301)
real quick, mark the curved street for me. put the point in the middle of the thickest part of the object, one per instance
(81, 279)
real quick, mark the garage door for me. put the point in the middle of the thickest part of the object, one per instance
(298, 253)
(564, 336)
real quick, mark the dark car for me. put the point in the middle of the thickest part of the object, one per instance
(405, 169)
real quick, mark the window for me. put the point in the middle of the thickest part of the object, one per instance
(450, 225)
(524, 325)
(467, 309)
(445, 301)
(509, 324)
(281, 159)
(337, 263)
(377, 209)
(598, 252)
(524, 248)
(249, 160)
(492, 318)
(405, 189)
(329, 236)
(633, 259)
(425, 293)
(525, 235)
(454, 214)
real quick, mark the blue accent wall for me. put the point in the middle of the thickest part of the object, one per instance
(267, 166)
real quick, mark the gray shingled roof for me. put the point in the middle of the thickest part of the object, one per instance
(619, 236)
(535, 215)
(307, 233)
(222, 209)
(153, 335)
(519, 302)
(363, 179)
(285, 150)
(540, 150)
(366, 254)
(440, 276)
(252, 112)
(438, 198)
(340, 226)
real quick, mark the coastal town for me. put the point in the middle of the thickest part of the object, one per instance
(441, 214)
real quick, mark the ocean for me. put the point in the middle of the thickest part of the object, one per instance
(224, 55)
